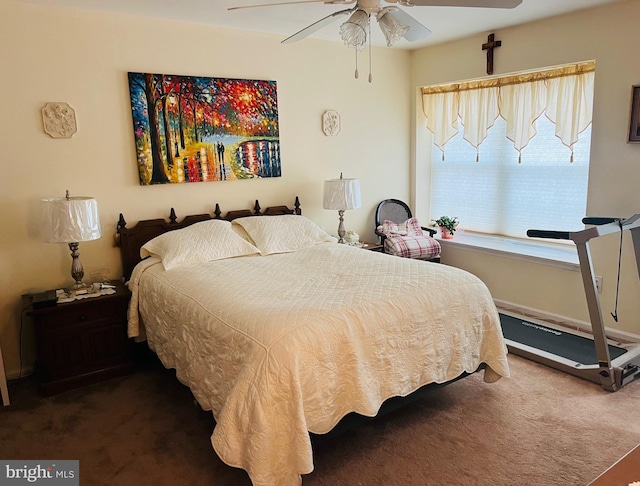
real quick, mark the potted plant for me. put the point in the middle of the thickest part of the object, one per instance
(447, 226)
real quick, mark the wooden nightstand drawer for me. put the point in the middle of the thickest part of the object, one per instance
(86, 315)
(83, 341)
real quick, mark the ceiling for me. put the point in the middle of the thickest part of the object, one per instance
(446, 23)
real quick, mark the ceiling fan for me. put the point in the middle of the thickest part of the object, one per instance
(394, 22)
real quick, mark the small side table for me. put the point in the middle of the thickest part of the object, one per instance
(82, 342)
(372, 247)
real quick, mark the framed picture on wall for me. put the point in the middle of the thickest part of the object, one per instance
(193, 128)
(634, 123)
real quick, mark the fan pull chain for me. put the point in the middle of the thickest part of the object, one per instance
(370, 57)
(356, 49)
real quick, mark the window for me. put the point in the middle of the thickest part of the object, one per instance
(520, 159)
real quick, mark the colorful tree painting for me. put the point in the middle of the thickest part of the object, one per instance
(192, 129)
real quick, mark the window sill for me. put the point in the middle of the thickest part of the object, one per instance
(552, 254)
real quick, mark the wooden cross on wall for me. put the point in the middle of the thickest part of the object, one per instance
(489, 46)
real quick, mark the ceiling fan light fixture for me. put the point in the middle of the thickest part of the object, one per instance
(392, 29)
(354, 30)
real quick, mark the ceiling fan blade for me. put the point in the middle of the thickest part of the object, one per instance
(307, 31)
(416, 31)
(461, 3)
(278, 3)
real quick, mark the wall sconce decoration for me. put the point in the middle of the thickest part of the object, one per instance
(59, 120)
(331, 123)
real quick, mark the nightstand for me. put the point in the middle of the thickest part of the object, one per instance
(82, 342)
(373, 247)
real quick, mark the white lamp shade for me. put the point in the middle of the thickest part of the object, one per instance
(392, 29)
(354, 30)
(341, 194)
(70, 220)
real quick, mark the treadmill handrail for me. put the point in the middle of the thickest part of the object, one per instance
(599, 220)
(606, 229)
(556, 235)
(603, 226)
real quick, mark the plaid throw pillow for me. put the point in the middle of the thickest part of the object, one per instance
(412, 246)
(411, 227)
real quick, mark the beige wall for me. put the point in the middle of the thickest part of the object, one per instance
(82, 58)
(605, 34)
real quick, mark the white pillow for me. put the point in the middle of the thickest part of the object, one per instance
(200, 242)
(283, 234)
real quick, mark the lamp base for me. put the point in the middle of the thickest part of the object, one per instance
(77, 272)
(341, 230)
(80, 286)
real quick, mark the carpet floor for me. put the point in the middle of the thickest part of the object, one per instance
(539, 427)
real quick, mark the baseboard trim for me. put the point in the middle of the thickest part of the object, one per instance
(564, 321)
(17, 375)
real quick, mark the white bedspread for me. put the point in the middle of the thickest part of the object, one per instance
(277, 346)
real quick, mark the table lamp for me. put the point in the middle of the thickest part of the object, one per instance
(341, 194)
(71, 220)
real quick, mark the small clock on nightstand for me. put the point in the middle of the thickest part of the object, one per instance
(82, 342)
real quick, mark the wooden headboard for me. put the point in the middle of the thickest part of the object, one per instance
(130, 240)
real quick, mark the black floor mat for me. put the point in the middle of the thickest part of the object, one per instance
(565, 344)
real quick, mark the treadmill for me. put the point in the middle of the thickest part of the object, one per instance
(594, 357)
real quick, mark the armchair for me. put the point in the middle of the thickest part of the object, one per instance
(411, 243)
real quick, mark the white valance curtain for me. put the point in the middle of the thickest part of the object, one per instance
(563, 94)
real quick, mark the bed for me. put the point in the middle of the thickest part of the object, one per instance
(280, 331)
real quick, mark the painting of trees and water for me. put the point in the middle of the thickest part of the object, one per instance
(193, 129)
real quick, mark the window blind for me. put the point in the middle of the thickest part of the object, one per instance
(499, 196)
(517, 150)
